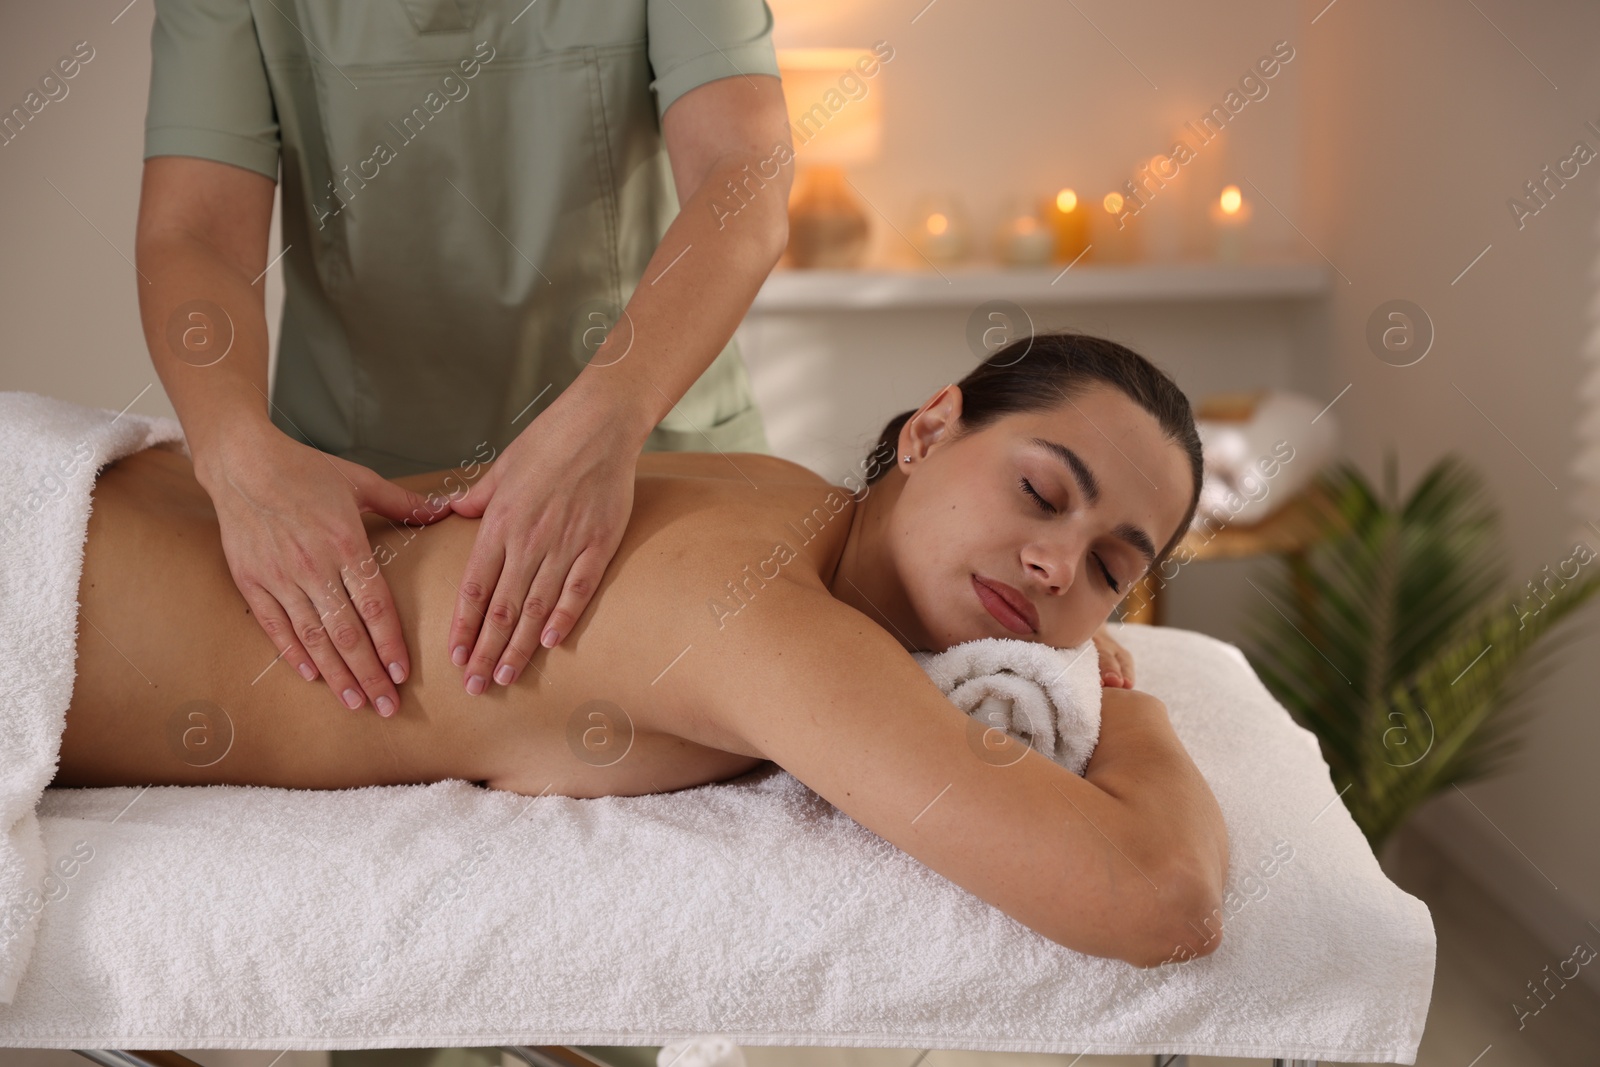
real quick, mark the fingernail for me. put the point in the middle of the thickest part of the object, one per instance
(395, 673)
(549, 639)
(352, 699)
(307, 673)
(476, 684)
(504, 674)
(385, 707)
(459, 656)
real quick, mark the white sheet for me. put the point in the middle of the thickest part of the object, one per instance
(447, 915)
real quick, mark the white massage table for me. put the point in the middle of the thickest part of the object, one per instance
(252, 918)
(446, 915)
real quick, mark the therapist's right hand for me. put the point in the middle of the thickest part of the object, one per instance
(298, 551)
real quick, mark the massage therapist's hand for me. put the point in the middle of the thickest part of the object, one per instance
(293, 536)
(1116, 662)
(555, 504)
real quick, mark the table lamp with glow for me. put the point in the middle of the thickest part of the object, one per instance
(834, 120)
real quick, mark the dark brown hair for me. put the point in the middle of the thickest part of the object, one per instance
(1037, 373)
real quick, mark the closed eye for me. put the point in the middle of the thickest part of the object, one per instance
(1045, 506)
(1112, 582)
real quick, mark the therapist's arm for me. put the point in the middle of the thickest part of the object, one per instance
(728, 141)
(289, 515)
(556, 502)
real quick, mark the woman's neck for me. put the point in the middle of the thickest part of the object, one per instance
(865, 576)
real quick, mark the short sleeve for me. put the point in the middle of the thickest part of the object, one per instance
(692, 43)
(209, 95)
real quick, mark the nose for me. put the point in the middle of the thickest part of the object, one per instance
(1051, 565)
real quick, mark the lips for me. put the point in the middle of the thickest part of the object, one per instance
(1007, 605)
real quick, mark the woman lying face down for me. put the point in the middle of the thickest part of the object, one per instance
(752, 612)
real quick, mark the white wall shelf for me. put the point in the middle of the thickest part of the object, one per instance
(801, 290)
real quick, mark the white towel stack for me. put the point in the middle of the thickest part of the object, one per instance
(1247, 474)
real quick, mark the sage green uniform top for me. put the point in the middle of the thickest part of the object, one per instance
(471, 191)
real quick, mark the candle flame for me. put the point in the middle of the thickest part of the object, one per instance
(937, 223)
(1113, 202)
(1066, 201)
(1231, 200)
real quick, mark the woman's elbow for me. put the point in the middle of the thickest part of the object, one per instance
(1181, 921)
(1187, 923)
(1196, 922)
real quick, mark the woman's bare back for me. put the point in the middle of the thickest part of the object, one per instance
(177, 684)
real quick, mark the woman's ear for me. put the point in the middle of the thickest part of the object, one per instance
(935, 421)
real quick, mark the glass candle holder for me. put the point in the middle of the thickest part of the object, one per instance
(1023, 239)
(939, 228)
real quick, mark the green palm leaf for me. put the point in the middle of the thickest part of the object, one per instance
(1394, 640)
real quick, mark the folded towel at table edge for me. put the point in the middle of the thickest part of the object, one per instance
(51, 451)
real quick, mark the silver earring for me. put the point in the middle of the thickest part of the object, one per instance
(908, 459)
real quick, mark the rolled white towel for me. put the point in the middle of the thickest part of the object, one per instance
(1045, 697)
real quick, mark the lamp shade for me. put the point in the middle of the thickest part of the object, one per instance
(835, 106)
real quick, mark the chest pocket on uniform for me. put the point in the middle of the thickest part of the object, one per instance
(442, 16)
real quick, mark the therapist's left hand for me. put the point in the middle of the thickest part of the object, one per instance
(554, 504)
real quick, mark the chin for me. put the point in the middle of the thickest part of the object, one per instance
(946, 636)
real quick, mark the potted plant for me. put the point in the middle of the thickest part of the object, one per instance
(1406, 647)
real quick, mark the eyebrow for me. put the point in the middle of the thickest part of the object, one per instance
(1090, 487)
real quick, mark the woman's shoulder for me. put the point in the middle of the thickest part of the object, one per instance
(727, 466)
(742, 516)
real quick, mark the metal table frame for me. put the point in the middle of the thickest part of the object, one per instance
(532, 1055)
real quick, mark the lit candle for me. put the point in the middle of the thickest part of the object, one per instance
(1069, 218)
(1115, 234)
(1230, 216)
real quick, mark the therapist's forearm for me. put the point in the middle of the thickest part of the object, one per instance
(193, 288)
(696, 288)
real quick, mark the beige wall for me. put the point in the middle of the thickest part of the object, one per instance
(990, 101)
(69, 196)
(1420, 122)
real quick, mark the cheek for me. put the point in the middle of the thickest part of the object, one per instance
(938, 540)
(926, 554)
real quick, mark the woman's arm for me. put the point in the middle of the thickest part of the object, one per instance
(1127, 862)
